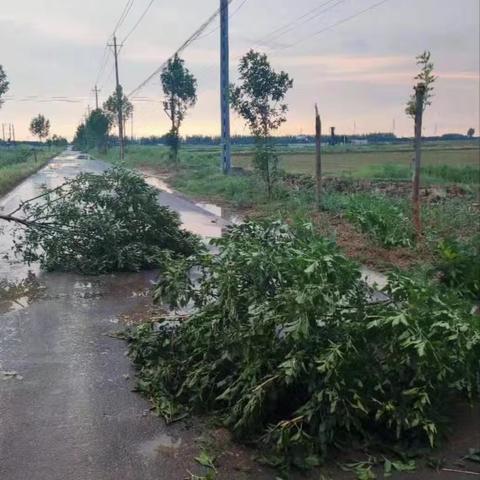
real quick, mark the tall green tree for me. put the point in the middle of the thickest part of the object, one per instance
(111, 106)
(80, 138)
(4, 84)
(259, 99)
(180, 93)
(40, 127)
(97, 127)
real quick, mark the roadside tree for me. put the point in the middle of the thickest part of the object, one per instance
(40, 127)
(180, 93)
(112, 106)
(416, 106)
(4, 84)
(259, 100)
(97, 127)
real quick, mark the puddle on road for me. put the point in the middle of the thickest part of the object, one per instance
(158, 183)
(163, 444)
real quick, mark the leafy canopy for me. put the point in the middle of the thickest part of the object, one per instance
(101, 223)
(40, 126)
(258, 99)
(426, 78)
(180, 94)
(288, 346)
(259, 96)
(112, 105)
(4, 84)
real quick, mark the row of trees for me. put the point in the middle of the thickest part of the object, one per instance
(94, 131)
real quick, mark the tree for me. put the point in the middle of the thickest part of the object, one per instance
(4, 84)
(426, 78)
(415, 108)
(471, 132)
(180, 93)
(95, 224)
(112, 106)
(97, 127)
(259, 100)
(80, 137)
(59, 141)
(40, 127)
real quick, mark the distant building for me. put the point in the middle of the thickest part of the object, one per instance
(359, 141)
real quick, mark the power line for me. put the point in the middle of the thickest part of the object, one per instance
(230, 17)
(185, 44)
(330, 27)
(142, 16)
(124, 15)
(306, 17)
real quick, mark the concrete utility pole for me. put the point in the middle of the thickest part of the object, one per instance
(96, 90)
(119, 94)
(318, 158)
(419, 99)
(225, 87)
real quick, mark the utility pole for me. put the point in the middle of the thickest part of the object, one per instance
(119, 94)
(9, 132)
(96, 90)
(3, 131)
(318, 159)
(419, 100)
(13, 132)
(225, 88)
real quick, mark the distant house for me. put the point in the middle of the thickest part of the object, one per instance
(359, 141)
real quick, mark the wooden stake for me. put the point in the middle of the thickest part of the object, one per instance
(318, 159)
(419, 97)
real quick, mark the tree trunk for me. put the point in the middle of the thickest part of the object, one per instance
(419, 98)
(318, 159)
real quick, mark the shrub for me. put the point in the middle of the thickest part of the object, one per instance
(459, 265)
(382, 218)
(287, 346)
(101, 223)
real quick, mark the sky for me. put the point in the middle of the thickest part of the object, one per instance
(358, 68)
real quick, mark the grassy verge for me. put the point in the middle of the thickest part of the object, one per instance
(368, 214)
(18, 164)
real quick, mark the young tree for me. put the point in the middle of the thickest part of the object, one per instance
(80, 137)
(4, 84)
(40, 127)
(112, 106)
(425, 77)
(471, 132)
(415, 108)
(259, 100)
(180, 93)
(97, 127)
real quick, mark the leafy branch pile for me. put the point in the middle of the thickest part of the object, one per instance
(96, 224)
(287, 346)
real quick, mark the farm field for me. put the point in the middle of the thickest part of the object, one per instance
(361, 163)
(18, 163)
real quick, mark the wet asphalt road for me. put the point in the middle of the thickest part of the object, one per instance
(69, 412)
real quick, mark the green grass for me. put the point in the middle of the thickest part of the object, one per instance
(364, 164)
(18, 163)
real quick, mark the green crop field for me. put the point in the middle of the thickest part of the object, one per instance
(360, 162)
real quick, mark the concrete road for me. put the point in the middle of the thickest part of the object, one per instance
(67, 410)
